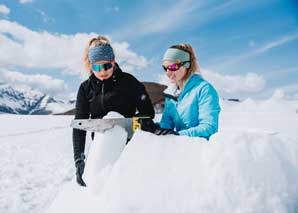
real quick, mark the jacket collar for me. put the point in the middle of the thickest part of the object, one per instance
(173, 92)
(96, 84)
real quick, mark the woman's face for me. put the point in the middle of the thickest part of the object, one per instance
(103, 74)
(175, 76)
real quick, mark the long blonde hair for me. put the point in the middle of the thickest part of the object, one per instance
(99, 40)
(194, 65)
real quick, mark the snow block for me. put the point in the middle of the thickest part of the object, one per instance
(240, 172)
(103, 152)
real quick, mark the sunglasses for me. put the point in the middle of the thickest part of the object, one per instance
(175, 66)
(98, 67)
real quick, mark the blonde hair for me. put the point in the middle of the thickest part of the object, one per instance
(194, 65)
(98, 41)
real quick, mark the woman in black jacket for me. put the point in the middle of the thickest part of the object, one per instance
(107, 89)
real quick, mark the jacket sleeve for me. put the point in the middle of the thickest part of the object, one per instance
(143, 101)
(81, 112)
(166, 118)
(208, 115)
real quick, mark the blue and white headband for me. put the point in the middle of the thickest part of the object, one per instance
(101, 53)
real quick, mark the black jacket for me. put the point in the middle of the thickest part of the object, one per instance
(121, 93)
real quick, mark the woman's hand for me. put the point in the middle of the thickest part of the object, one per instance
(80, 167)
(148, 125)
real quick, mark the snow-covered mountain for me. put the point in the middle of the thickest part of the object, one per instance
(25, 100)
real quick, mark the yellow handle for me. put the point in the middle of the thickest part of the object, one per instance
(136, 124)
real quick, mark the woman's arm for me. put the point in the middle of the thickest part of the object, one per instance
(208, 106)
(166, 118)
(143, 101)
(81, 112)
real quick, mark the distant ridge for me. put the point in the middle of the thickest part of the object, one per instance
(27, 101)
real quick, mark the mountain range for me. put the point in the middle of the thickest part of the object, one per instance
(17, 99)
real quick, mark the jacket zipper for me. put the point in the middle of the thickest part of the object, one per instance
(102, 93)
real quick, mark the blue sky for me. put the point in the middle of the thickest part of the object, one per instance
(245, 48)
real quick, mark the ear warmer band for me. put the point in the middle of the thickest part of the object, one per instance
(177, 55)
(101, 53)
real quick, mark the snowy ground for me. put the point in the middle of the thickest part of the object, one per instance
(35, 160)
(251, 165)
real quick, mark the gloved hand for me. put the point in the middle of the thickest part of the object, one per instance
(80, 166)
(148, 125)
(164, 131)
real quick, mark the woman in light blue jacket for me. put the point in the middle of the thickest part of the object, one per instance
(191, 103)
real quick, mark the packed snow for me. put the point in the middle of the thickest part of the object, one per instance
(35, 161)
(250, 165)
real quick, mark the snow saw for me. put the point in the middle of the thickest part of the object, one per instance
(100, 125)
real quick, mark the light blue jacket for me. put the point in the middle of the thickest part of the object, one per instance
(196, 110)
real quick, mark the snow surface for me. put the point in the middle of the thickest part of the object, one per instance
(250, 165)
(35, 161)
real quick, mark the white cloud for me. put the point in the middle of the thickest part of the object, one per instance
(45, 17)
(235, 6)
(4, 10)
(43, 83)
(163, 79)
(231, 84)
(182, 14)
(290, 90)
(25, 1)
(128, 57)
(250, 82)
(265, 48)
(278, 93)
(160, 19)
(23, 47)
(276, 43)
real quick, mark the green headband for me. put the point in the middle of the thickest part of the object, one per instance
(177, 55)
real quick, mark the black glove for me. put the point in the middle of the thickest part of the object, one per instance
(164, 131)
(148, 125)
(80, 165)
